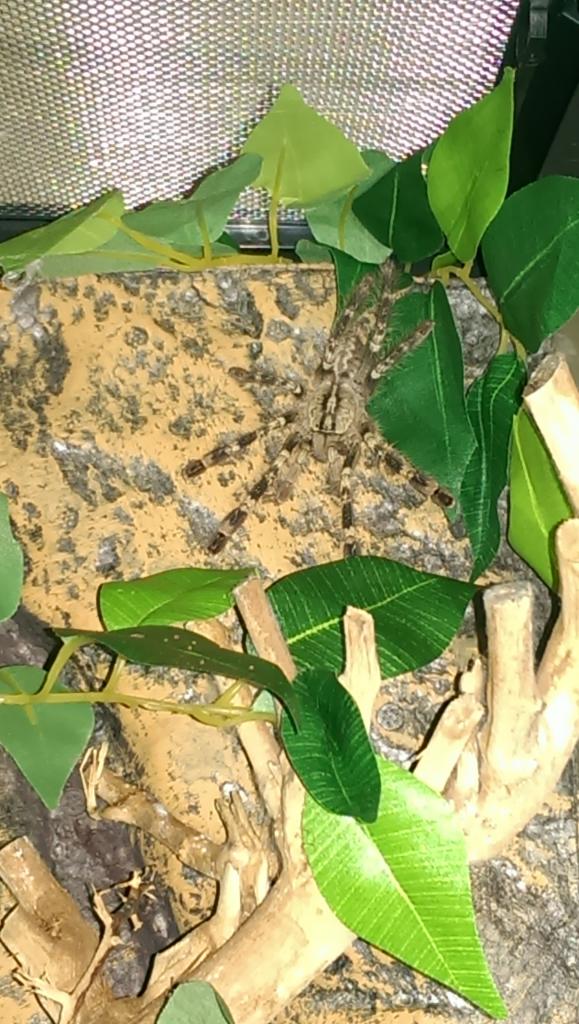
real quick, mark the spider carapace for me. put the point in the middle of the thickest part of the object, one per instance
(327, 416)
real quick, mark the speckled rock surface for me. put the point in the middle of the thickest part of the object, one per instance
(108, 387)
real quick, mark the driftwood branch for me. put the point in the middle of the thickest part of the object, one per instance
(509, 769)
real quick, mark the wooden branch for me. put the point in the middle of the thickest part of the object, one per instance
(504, 776)
(46, 932)
(552, 399)
(512, 698)
(261, 747)
(293, 935)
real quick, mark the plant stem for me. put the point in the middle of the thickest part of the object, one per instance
(69, 646)
(174, 259)
(205, 239)
(208, 715)
(110, 686)
(274, 206)
(463, 273)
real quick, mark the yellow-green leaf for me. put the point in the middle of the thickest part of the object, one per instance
(306, 159)
(469, 169)
(538, 502)
(76, 232)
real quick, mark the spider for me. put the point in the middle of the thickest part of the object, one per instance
(328, 418)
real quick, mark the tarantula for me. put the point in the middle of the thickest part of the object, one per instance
(328, 418)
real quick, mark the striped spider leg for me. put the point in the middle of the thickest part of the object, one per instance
(328, 418)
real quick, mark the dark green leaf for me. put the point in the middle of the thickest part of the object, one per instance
(184, 649)
(183, 222)
(195, 1002)
(396, 211)
(419, 406)
(492, 402)
(531, 253)
(402, 883)
(306, 159)
(11, 564)
(76, 232)
(416, 614)
(45, 740)
(330, 751)
(468, 171)
(335, 223)
(538, 502)
(348, 274)
(166, 597)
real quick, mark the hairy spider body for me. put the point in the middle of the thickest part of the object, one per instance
(328, 419)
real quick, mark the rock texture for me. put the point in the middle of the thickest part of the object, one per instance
(107, 388)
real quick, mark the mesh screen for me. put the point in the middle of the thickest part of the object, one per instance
(147, 96)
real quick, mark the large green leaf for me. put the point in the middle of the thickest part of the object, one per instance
(330, 750)
(531, 253)
(396, 211)
(491, 403)
(45, 740)
(11, 564)
(419, 406)
(176, 595)
(402, 883)
(76, 232)
(336, 224)
(184, 649)
(416, 614)
(190, 222)
(306, 159)
(538, 502)
(195, 1002)
(468, 171)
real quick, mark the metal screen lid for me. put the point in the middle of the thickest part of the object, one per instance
(149, 96)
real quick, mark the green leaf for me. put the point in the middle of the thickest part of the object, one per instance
(531, 253)
(312, 252)
(349, 273)
(45, 740)
(416, 614)
(468, 171)
(184, 649)
(538, 502)
(11, 564)
(195, 1002)
(76, 232)
(336, 224)
(167, 597)
(419, 406)
(444, 259)
(396, 212)
(306, 159)
(402, 883)
(203, 216)
(491, 403)
(123, 254)
(330, 751)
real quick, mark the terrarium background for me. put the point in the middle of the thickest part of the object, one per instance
(147, 97)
